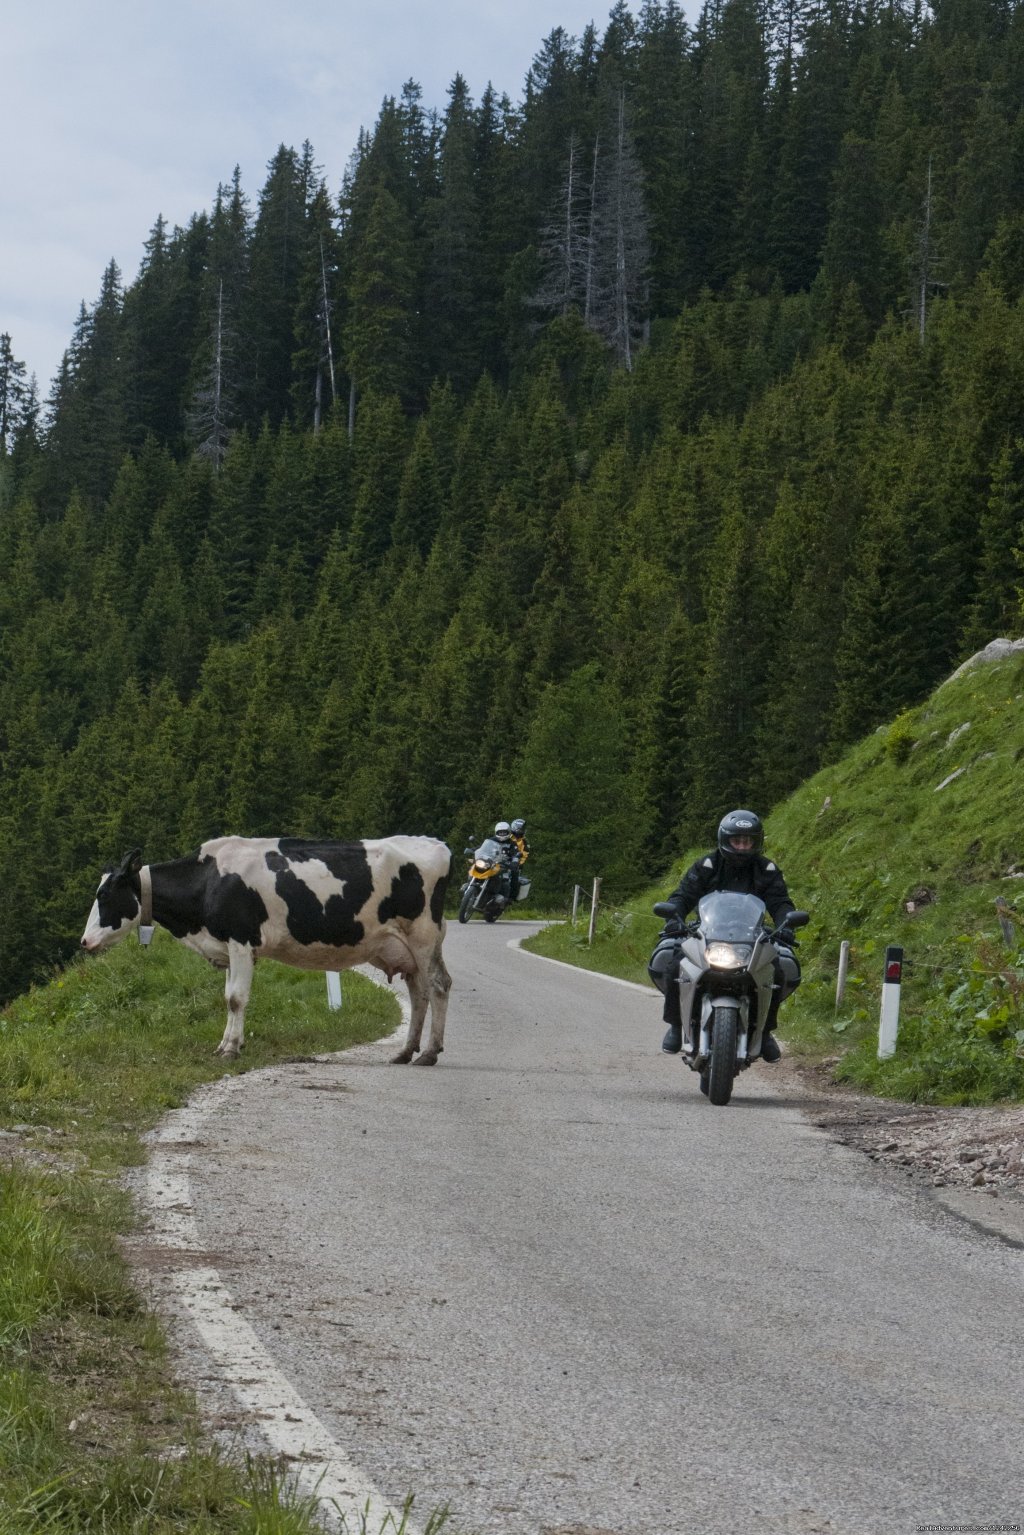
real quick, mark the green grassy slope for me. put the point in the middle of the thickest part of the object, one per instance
(880, 854)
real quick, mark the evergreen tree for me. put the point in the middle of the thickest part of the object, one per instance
(501, 230)
(995, 608)
(14, 395)
(277, 252)
(668, 723)
(737, 639)
(265, 779)
(88, 406)
(852, 254)
(418, 511)
(663, 124)
(810, 130)
(730, 58)
(451, 220)
(380, 447)
(574, 787)
(895, 643)
(381, 329)
(551, 110)
(234, 536)
(158, 322)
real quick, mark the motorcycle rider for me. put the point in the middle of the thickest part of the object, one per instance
(737, 863)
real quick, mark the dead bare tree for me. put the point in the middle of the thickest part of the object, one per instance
(209, 420)
(327, 350)
(588, 297)
(622, 245)
(565, 256)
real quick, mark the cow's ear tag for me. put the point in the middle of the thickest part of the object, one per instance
(145, 935)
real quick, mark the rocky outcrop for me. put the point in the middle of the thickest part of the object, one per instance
(995, 650)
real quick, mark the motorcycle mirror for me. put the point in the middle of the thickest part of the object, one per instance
(664, 909)
(797, 919)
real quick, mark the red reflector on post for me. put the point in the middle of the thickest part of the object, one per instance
(894, 965)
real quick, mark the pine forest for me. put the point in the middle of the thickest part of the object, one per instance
(608, 457)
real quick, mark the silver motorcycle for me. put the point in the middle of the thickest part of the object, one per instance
(728, 966)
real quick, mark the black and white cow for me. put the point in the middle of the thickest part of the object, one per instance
(316, 905)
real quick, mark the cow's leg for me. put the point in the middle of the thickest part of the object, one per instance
(418, 999)
(236, 990)
(439, 984)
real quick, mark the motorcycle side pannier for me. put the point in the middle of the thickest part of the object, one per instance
(663, 965)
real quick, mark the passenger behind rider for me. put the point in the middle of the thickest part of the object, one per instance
(518, 829)
(737, 863)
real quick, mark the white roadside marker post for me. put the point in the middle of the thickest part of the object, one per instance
(593, 910)
(333, 989)
(889, 1015)
(844, 962)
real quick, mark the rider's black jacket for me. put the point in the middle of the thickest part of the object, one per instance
(753, 876)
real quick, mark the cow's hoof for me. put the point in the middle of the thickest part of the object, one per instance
(402, 1058)
(229, 1055)
(428, 1058)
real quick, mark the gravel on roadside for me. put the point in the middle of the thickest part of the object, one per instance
(980, 1149)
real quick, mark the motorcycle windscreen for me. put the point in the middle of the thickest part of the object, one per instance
(729, 916)
(489, 849)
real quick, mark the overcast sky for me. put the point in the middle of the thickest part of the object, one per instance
(119, 110)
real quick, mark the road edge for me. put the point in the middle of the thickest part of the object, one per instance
(195, 1297)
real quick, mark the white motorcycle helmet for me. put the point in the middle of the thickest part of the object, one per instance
(503, 832)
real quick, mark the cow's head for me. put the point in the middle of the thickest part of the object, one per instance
(118, 905)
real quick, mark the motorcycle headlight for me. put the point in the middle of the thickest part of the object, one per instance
(727, 956)
(481, 864)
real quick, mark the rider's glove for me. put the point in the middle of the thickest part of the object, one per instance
(673, 927)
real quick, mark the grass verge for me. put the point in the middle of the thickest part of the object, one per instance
(94, 1436)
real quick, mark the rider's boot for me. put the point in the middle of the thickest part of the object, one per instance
(673, 1041)
(770, 1051)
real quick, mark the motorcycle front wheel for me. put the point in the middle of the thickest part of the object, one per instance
(466, 906)
(725, 1028)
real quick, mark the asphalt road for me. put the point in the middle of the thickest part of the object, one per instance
(547, 1283)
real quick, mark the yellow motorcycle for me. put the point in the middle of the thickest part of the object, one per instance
(488, 886)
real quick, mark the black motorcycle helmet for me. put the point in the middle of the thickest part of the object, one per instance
(740, 823)
(518, 826)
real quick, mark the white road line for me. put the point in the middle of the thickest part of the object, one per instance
(199, 1296)
(616, 980)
